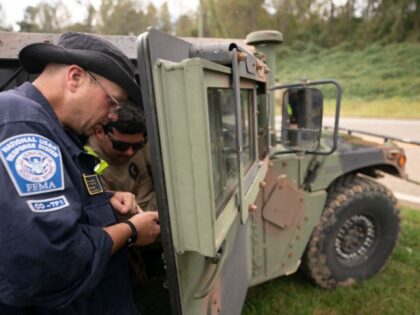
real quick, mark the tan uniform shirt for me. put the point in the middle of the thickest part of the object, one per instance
(134, 176)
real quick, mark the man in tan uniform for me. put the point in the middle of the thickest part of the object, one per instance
(122, 147)
(125, 166)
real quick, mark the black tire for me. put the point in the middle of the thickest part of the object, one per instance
(357, 233)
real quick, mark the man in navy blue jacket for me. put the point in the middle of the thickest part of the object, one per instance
(62, 249)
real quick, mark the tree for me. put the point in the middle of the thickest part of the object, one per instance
(88, 24)
(324, 22)
(286, 19)
(152, 18)
(390, 21)
(213, 24)
(121, 17)
(3, 26)
(46, 18)
(165, 24)
(234, 18)
(186, 25)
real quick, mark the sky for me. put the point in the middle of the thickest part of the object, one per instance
(13, 9)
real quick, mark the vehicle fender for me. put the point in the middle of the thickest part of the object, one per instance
(353, 155)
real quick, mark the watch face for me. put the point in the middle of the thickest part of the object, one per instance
(130, 241)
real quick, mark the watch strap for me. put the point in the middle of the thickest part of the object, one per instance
(133, 237)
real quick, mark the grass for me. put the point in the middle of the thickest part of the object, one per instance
(382, 81)
(395, 290)
(396, 107)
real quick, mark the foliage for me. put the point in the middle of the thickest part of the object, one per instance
(186, 25)
(112, 17)
(233, 18)
(3, 26)
(378, 81)
(120, 17)
(46, 18)
(395, 290)
(165, 18)
(396, 108)
(378, 76)
(326, 23)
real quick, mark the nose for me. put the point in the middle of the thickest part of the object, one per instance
(130, 152)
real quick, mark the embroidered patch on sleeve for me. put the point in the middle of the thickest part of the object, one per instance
(33, 163)
(93, 184)
(48, 205)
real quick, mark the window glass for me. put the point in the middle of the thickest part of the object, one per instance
(223, 143)
(247, 145)
(223, 139)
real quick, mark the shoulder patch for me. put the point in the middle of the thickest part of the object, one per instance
(33, 163)
(133, 170)
(48, 205)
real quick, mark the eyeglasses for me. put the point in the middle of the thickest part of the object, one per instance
(116, 105)
(124, 146)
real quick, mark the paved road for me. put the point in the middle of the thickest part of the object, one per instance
(398, 128)
(403, 129)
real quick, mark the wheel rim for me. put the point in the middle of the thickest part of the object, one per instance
(355, 238)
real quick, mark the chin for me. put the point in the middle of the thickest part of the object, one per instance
(120, 160)
(89, 132)
(86, 131)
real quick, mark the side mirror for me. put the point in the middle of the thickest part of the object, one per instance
(302, 110)
(302, 119)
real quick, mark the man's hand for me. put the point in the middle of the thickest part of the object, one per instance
(148, 228)
(125, 203)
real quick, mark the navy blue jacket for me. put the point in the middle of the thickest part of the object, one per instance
(55, 257)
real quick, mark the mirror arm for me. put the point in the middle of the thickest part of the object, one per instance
(337, 117)
(337, 108)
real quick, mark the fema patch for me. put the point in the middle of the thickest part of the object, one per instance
(33, 163)
(48, 205)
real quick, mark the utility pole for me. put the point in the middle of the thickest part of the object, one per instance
(200, 19)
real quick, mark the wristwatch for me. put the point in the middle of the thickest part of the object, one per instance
(133, 237)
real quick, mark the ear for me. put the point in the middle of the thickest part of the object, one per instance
(99, 132)
(75, 76)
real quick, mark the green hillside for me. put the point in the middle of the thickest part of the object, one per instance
(378, 81)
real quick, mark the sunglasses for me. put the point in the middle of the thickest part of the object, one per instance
(116, 105)
(124, 146)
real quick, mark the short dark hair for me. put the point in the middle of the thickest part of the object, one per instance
(130, 120)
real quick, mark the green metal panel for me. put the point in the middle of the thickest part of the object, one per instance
(195, 272)
(184, 131)
(186, 152)
(275, 250)
(183, 117)
(353, 154)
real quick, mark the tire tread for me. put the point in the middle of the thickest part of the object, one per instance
(344, 190)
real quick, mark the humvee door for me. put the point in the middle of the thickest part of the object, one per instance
(209, 153)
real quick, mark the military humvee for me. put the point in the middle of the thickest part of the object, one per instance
(241, 202)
